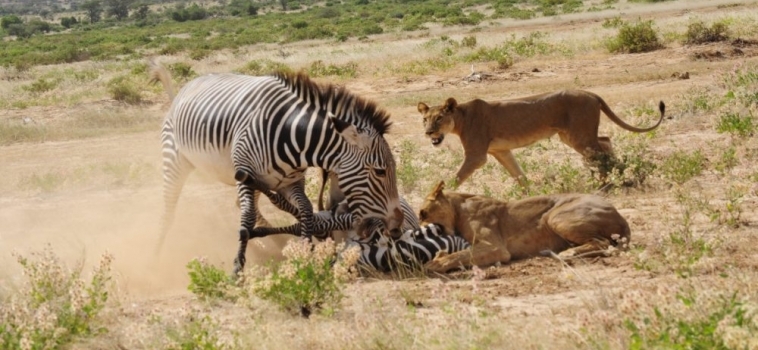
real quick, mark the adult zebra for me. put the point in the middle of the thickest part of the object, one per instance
(262, 133)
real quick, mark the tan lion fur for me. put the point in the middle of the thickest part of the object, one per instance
(572, 224)
(498, 127)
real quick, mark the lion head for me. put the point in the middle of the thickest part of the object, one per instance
(438, 120)
(437, 209)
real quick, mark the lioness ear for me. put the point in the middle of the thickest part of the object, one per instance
(450, 104)
(437, 191)
(422, 108)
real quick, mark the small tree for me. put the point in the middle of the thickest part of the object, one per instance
(68, 22)
(141, 12)
(118, 8)
(94, 9)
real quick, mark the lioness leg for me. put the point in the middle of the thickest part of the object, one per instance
(508, 161)
(473, 159)
(589, 223)
(593, 248)
(596, 150)
(481, 254)
(605, 144)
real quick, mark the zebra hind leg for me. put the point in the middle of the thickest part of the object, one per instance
(176, 169)
(248, 213)
(260, 221)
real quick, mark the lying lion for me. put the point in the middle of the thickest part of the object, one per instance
(498, 127)
(572, 224)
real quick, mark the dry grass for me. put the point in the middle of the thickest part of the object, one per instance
(692, 260)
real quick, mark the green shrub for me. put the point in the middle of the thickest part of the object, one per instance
(635, 38)
(306, 281)
(206, 280)
(699, 33)
(55, 305)
(736, 124)
(123, 89)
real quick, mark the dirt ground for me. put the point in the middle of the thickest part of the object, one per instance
(87, 212)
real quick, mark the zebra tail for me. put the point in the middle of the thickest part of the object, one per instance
(158, 73)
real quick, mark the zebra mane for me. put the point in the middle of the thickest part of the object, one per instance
(368, 113)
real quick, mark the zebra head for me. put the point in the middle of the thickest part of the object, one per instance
(366, 176)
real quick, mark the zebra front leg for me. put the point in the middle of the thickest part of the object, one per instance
(295, 194)
(247, 219)
(281, 202)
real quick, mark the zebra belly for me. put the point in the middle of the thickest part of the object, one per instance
(217, 164)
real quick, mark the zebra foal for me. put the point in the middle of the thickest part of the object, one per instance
(411, 249)
(262, 133)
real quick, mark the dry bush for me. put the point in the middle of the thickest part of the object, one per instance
(699, 33)
(55, 305)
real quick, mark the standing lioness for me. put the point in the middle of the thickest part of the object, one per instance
(498, 127)
(572, 224)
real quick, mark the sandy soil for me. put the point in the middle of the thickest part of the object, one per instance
(81, 220)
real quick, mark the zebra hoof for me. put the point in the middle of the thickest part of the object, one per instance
(239, 265)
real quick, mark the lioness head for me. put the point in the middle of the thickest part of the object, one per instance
(438, 120)
(438, 210)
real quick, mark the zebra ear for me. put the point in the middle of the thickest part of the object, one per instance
(349, 132)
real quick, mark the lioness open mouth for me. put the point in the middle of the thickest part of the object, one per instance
(437, 140)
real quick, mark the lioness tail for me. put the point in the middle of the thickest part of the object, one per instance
(612, 116)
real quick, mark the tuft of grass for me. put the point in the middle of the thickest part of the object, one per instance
(681, 166)
(195, 329)
(56, 305)
(319, 69)
(735, 124)
(635, 38)
(469, 41)
(682, 248)
(727, 161)
(260, 67)
(41, 85)
(662, 330)
(407, 172)
(613, 22)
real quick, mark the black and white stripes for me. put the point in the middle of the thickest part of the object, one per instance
(262, 133)
(412, 250)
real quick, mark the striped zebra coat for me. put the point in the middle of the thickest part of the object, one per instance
(412, 250)
(262, 133)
